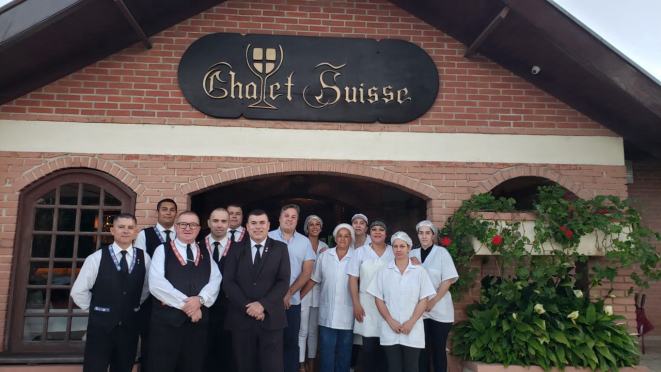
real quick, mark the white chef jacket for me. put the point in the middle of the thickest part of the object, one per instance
(335, 304)
(81, 292)
(164, 291)
(401, 294)
(440, 267)
(312, 298)
(365, 264)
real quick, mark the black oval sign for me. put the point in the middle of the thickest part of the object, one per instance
(275, 77)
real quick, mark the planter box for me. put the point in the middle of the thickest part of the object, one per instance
(588, 246)
(483, 367)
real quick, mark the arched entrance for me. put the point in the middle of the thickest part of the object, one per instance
(334, 198)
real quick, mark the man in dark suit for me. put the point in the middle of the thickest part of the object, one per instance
(256, 279)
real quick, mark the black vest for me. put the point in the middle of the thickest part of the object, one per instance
(115, 296)
(222, 299)
(189, 280)
(152, 240)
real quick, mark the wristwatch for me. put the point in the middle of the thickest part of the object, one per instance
(201, 300)
(292, 291)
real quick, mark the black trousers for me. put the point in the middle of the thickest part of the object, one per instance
(220, 356)
(373, 358)
(116, 348)
(290, 338)
(402, 358)
(178, 349)
(436, 337)
(258, 350)
(144, 316)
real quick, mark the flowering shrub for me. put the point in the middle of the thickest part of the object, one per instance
(534, 313)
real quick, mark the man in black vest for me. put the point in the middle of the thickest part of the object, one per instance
(256, 280)
(111, 284)
(148, 240)
(218, 243)
(185, 283)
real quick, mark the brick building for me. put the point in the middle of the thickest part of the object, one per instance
(107, 128)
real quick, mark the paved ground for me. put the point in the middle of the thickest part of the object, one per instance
(652, 357)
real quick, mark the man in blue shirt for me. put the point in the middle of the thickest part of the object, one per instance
(301, 258)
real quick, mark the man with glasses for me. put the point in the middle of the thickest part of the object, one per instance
(185, 282)
(256, 280)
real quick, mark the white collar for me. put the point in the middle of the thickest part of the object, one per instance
(222, 241)
(333, 252)
(253, 243)
(410, 266)
(162, 229)
(117, 249)
(238, 229)
(181, 244)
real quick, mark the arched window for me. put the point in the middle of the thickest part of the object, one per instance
(62, 219)
(523, 190)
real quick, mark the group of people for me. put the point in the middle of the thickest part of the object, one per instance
(251, 299)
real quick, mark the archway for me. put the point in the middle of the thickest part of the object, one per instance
(334, 198)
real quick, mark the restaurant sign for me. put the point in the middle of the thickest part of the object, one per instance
(276, 77)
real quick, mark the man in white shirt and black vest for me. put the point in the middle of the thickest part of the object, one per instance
(236, 230)
(112, 284)
(185, 283)
(148, 239)
(218, 243)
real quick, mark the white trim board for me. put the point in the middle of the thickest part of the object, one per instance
(106, 138)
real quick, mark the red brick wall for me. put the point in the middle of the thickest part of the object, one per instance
(646, 191)
(140, 86)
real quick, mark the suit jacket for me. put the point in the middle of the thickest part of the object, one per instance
(267, 284)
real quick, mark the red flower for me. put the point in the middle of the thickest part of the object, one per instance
(497, 240)
(570, 208)
(562, 228)
(612, 210)
(569, 234)
(567, 196)
(446, 241)
(603, 211)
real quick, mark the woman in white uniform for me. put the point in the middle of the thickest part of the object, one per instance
(365, 263)
(401, 290)
(335, 305)
(439, 314)
(310, 300)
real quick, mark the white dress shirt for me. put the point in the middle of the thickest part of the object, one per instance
(164, 291)
(253, 249)
(335, 304)
(440, 267)
(237, 234)
(300, 250)
(82, 287)
(221, 247)
(401, 294)
(141, 240)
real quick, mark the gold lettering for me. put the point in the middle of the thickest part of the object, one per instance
(271, 90)
(253, 87)
(362, 97)
(372, 94)
(399, 95)
(208, 82)
(346, 95)
(320, 96)
(289, 84)
(388, 93)
(234, 84)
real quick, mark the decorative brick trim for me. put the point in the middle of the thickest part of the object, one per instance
(532, 171)
(353, 170)
(66, 162)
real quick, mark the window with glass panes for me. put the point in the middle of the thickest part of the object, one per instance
(63, 219)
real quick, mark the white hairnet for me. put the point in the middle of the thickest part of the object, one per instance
(402, 236)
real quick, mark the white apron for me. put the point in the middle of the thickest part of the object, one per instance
(370, 325)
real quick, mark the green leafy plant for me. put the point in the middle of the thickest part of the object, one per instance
(533, 312)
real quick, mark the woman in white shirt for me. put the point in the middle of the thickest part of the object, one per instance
(439, 314)
(401, 290)
(310, 299)
(335, 305)
(365, 263)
